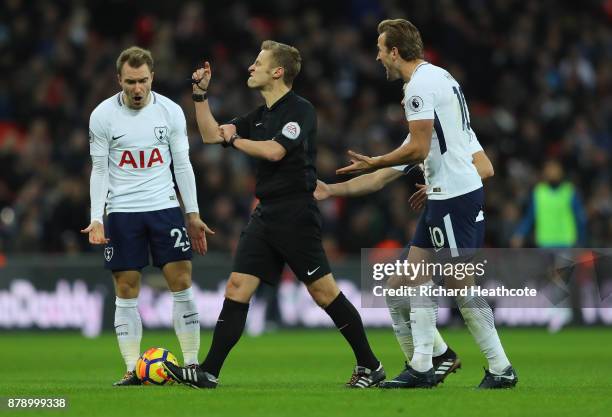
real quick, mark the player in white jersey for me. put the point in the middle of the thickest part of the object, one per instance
(442, 137)
(134, 136)
(445, 360)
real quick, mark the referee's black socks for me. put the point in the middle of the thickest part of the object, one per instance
(228, 330)
(347, 320)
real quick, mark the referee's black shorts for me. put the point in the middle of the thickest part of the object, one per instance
(283, 232)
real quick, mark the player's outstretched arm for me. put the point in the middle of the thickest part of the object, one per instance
(207, 125)
(414, 151)
(263, 149)
(362, 185)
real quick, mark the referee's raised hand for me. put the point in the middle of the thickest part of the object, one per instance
(201, 78)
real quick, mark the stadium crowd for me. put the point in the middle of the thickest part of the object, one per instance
(537, 76)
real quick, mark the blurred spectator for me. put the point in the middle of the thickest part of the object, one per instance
(555, 213)
(537, 75)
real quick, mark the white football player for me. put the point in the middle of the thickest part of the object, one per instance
(134, 137)
(442, 137)
(445, 360)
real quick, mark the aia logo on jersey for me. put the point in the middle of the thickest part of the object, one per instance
(161, 133)
(140, 159)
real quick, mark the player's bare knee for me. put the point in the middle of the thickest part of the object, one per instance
(180, 282)
(323, 298)
(126, 289)
(323, 291)
(229, 290)
(178, 275)
(127, 284)
(239, 288)
(233, 289)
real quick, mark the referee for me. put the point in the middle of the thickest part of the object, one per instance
(286, 225)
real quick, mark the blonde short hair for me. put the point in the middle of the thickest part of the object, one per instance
(135, 57)
(284, 56)
(404, 36)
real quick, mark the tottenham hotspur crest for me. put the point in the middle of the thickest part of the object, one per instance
(161, 133)
(108, 253)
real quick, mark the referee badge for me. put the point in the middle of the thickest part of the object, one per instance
(291, 130)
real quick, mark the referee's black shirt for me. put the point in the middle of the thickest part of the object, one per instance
(292, 122)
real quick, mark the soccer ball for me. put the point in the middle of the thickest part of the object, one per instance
(149, 367)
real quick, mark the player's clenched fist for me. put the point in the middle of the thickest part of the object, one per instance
(227, 131)
(95, 230)
(201, 78)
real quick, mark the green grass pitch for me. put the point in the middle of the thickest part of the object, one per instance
(301, 373)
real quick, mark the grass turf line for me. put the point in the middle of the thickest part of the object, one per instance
(302, 373)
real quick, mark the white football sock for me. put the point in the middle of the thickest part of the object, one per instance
(439, 346)
(478, 317)
(128, 328)
(186, 324)
(423, 315)
(399, 309)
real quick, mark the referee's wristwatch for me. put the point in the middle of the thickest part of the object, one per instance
(198, 98)
(230, 142)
